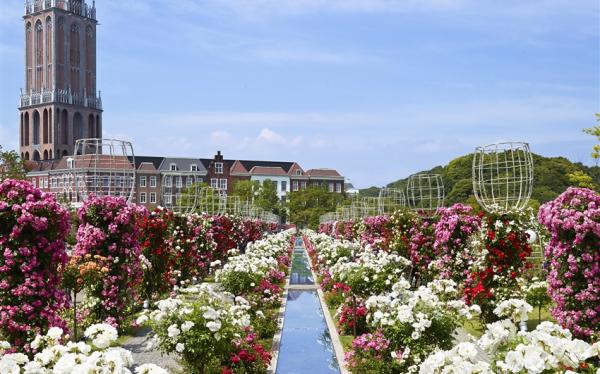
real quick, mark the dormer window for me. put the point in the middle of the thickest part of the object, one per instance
(218, 168)
(173, 167)
(194, 167)
(70, 163)
(298, 172)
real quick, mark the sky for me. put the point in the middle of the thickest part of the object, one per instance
(377, 89)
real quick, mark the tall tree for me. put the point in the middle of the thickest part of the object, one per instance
(595, 131)
(246, 189)
(306, 206)
(11, 165)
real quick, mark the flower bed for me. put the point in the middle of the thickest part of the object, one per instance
(33, 228)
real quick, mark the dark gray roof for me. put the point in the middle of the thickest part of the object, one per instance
(183, 164)
(154, 160)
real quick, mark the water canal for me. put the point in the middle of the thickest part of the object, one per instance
(306, 345)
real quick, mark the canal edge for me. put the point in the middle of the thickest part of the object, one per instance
(335, 337)
(280, 320)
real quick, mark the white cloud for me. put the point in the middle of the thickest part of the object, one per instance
(220, 136)
(269, 136)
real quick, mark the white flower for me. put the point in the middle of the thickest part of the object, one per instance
(179, 347)
(186, 326)
(55, 333)
(102, 335)
(210, 313)
(150, 369)
(142, 319)
(173, 331)
(214, 326)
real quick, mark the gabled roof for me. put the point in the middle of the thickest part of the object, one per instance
(238, 168)
(267, 170)
(323, 173)
(183, 164)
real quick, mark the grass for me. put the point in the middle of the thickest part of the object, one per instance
(476, 328)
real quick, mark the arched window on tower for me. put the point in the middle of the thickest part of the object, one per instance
(50, 126)
(28, 57)
(36, 127)
(49, 50)
(77, 127)
(26, 131)
(98, 127)
(64, 127)
(45, 126)
(60, 53)
(46, 155)
(89, 59)
(75, 57)
(39, 55)
(91, 127)
(22, 137)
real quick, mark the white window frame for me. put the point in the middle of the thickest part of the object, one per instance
(173, 167)
(193, 167)
(167, 199)
(153, 181)
(169, 181)
(179, 182)
(142, 181)
(298, 172)
(152, 197)
(142, 198)
(283, 186)
(218, 168)
(303, 185)
(34, 182)
(295, 185)
(223, 183)
(338, 187)
(214, 183)
(331, 187)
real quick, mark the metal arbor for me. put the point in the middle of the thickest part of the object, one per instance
(103, 167)
(390, 200)
(425, 193)
(180, 192)
(503, 176)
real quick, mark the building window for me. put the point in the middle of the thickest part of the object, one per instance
(194, 167)
(338, 187)
(218, 168)
(54, 182)
(142, 198)
(214, 183)
(298, 172)
(143, 181)
(153, 181)
(34, 181)
(188, 181)
(152, 197)
(283, 186)
(295, 185)
(168, 181)
(45, 182)
(275, 185)
(303, 185)
(223, 184)
(179, 184)
(331, 186)
(167, 199)
(173, 167)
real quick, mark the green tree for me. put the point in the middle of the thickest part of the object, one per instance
(581, 179)
(307, 206)
(595, 131)
(11, 165)
(246, 189)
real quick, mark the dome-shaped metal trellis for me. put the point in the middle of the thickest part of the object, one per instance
(390, 200)
(369, 206)
(503, 176)
(425, 193)
(103, 167)
(180, 192)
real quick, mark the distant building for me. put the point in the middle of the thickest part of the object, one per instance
(350, 190)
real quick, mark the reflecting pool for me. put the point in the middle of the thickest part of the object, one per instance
(305, 341)
(300, 273)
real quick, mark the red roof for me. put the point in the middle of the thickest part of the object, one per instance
(323, 173)
(267, 170)
(238, 168)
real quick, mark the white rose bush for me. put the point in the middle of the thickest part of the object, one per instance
(95, 355)
(214, 328)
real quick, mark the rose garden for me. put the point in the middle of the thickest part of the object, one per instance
(451, 290)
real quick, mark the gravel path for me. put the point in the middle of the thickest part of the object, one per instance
(137, 345)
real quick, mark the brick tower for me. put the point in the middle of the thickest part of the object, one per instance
(59, 103)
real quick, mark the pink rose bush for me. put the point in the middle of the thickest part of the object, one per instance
(109, 229)
(573, 220)
(33, 228)
(452, 233)
(376, 231)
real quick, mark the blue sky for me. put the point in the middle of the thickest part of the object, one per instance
(377, 89)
